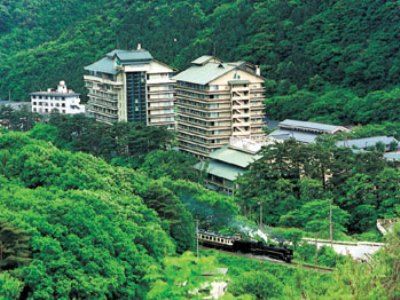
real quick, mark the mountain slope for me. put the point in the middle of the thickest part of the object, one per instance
(299, 44)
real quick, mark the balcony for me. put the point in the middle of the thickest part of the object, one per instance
(116, 84)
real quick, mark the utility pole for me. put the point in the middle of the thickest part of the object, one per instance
(330, 223)
(197, 239)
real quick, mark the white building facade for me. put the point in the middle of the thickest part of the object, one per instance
(61, 100)
(131, 86)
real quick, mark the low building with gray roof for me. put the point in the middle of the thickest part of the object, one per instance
(389, 143)
(303, 131)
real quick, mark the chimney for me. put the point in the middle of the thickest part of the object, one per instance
(139, 46)
(258, 71)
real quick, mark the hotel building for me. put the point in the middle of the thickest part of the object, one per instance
(61, 100)
(131, 86)
(216, 101)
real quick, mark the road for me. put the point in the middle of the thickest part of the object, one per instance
(357, 250)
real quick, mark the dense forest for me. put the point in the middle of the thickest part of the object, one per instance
(96, 211)
(76, 226)
(337, 61)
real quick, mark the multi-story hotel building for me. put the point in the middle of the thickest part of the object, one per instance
(215, 101)
(61, 100)
(130, 85)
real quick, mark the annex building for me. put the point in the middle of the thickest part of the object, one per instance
(60, 100)
(304, 132)
(130, 85)
(225, 165)
(215, 101)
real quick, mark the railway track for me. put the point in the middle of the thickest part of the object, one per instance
(293, 264)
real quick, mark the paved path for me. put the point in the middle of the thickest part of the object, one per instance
(357, 250)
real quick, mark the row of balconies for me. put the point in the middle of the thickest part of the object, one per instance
(205, 125)
(201, 132)
(110, 99)
(104, 105)
(103, 80)
(106, 113)
(205, 142)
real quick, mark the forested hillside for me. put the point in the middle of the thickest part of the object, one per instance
(339, 59)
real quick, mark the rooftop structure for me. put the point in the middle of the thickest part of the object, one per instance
(389, 143)
(304, 132)
(217, 100)
(130, 85)
(62, 100)
(225, 165)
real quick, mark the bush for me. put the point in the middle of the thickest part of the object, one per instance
(260, 284)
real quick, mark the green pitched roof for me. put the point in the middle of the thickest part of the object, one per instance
(131, 55)
(125, 57)
(104, 65)
(234, 157)
(220, 169)
(204, 74)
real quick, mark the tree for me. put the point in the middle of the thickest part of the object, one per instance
(376, 280)
(10, 287)
(174, 164)
(181, 277)
(260, 284)
(15, 247)
(313, 217)
(181, 224)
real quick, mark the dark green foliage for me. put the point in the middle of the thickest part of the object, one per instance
(92, 235)
(333, 61)
(324, 256)
(211, 209)
(14, 247)
(284, 282)
(84, 243)
(295, 184)
(260, 284)
(10, 287)
(170, 208)
(336, 106)
(124, 144)
(174, 164)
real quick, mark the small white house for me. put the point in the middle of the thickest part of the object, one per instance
(61, 100)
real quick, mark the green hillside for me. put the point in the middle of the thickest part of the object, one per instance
(327, 56)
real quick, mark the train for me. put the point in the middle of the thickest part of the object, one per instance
(238, 244)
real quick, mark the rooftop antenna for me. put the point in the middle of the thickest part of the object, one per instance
(197, 239)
